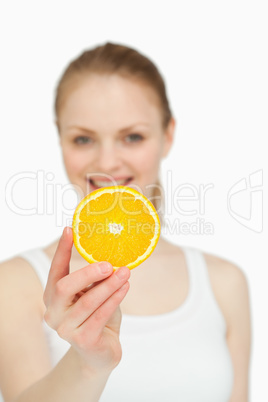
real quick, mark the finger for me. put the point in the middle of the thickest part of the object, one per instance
(95, 297)
(61, 260)
(96, 323)
(60, 263)
(71, 285)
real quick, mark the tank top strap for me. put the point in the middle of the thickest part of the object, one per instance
(199, 275)
(197, 270)
(39, 261)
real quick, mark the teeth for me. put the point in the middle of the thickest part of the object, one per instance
(108, 183)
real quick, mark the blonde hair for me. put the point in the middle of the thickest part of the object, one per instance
(113, 58)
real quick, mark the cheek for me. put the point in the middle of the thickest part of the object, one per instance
(147, 159)
(73, 161)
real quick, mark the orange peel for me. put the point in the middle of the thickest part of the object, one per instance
(116, 224)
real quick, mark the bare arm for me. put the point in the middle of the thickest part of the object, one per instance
(231, 291)
(75, 312)
(67, 383)
(239, 335)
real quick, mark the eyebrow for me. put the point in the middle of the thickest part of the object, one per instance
(122, 130)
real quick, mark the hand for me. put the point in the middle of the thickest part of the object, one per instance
(83, 306)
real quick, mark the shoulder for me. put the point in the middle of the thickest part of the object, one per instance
(22, 336)
(230, 286)
(16, 268)
(224, 270)
(19, 284)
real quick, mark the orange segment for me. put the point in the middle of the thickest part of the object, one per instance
(116, 224)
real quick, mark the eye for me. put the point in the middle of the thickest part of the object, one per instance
(133, 138)
(82, 140)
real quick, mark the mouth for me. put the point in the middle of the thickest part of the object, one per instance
(96, 184)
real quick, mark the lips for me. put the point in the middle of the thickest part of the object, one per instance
(99, 183)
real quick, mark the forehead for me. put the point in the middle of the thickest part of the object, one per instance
(101, 100)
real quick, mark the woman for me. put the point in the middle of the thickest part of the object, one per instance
(181, 331)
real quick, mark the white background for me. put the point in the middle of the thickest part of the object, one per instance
(213, 55)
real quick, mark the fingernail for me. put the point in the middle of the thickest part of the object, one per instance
(105, 267)
(122, 272)
(68, 230)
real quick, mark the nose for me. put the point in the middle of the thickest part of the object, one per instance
(108, 158)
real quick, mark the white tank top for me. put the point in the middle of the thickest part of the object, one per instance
(180, 356)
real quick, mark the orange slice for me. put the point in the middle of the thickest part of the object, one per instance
(116, 224)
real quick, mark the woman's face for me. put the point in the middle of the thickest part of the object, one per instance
(111, 133)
